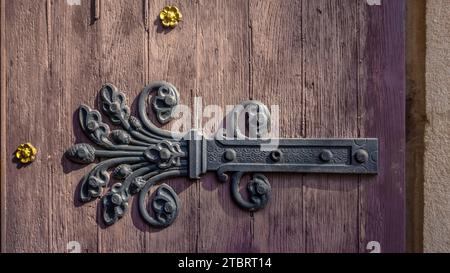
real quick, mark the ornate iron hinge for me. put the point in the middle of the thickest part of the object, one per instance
(140, 155)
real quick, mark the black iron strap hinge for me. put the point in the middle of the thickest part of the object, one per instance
(139, 155)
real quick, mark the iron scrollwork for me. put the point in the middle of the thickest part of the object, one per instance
(139, 155)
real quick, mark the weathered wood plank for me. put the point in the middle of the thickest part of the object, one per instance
(222, 79)
(382, 92)
(172, 57)
(123, 45)
(28, 190)
(3, 126)
(330, 90)
(276, 67)
(74, 61)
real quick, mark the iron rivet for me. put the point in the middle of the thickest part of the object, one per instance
(114, 107)
(276, 155)
(164, 154)
(169, 100)
(92, 125)
(230, 155)
(261, 189)
(168, 208)
(361, 156)
(326, 155)
(82, 152)
(116, 199)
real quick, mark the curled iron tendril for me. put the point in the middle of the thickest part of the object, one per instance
(138, 155)
(258, 190)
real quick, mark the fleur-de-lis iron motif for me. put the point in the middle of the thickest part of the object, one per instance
(140, 154)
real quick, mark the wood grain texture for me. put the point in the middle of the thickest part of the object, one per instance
(335, 69)
(276, 77)
(172, 57)
(330, 63)
(3, 114)
(28, 190)
(222, 79)
(123, 45)
(75, 79)
(382, 91)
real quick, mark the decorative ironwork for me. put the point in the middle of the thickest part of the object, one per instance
(140, 154)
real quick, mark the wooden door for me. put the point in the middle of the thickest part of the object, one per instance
(334, 67)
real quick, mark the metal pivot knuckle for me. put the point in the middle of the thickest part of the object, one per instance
(139, 155)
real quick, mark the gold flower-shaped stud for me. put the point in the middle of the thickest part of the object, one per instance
(170, 16)
(26, 153)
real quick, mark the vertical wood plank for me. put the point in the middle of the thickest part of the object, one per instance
(3, 136)
(222, 79)
(123, 44)
(74, 67)
(382, 91)
(28, 189)
(276, 60)
(330, 84)
(172, 58)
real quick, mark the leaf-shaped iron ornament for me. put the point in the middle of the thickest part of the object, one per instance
(139, 155)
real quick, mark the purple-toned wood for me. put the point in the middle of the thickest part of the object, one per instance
(222, 79)
(3, 133)
(74, 78)
(382, 91)
(171, 56)
(27, 190)
(276, 77)
(122, 46)
(335, 68)
(330, 45)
